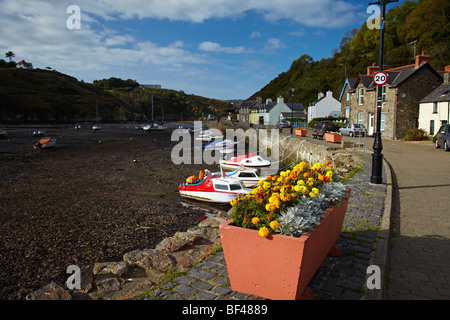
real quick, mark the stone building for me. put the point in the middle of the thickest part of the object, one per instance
(406, 87)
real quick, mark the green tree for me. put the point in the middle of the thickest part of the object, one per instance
(10, 55)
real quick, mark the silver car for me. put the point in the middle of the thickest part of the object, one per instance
(353, 129)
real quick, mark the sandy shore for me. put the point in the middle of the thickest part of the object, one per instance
(94, 197)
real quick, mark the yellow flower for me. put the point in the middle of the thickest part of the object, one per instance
(266, 185)
(285, 197)
(274, 225)
(234, 202)
(301, 182)
(255, 220)
(315, 191)
(271, 207)
(264, 232)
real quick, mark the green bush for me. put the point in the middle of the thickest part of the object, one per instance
(415, 134)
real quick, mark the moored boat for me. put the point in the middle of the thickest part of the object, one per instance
(217, 188)
(37, 133)
(251, 160)
(45, 143)
(249, 176)
(3, 134)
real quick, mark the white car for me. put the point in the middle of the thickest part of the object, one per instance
(353, 129)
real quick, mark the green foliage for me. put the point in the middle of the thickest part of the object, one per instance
(425, 21)
(415, 134)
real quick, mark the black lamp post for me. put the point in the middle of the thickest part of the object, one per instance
(377, 156)
(292, 110)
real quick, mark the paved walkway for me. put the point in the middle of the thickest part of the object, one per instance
(420, 252)
(340, 278)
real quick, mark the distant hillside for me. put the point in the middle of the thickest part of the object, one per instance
(425, 22)
(167, 104)
(49, 96)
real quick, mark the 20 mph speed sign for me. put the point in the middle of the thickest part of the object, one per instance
(380, 78)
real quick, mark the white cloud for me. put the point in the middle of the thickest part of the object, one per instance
(255, 35)
(318, 13)
(273, 44)
(209, 46)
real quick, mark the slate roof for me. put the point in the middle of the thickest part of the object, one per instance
(441, 94)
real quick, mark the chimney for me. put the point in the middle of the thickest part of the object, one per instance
(259, 101)
(447, 74)
(423, 58)
(372, 69)
(280, 99)
(320, 95)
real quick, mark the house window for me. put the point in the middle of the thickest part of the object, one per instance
(384, 93)
(382, 121)
(432, 127)
(348, 96)
(361, 96)
(347, 112)
(435, 107)
(360, 118)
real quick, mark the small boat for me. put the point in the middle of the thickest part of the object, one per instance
(45, 143)
(3, 134)
(251, 160)
(154, 127)
(96, 126)
(220, 144)
(37, 133)
(249, 176)
(205, 135)
(217, 188)
(77, 126)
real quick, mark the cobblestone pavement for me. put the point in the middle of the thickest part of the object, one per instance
(338, 278)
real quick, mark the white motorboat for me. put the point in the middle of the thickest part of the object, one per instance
(249, 176)
(251, 160)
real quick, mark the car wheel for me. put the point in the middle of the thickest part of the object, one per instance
(437, 144)
(351, 134)
(446, 147)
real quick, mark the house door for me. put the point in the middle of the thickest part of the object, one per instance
(371, 124)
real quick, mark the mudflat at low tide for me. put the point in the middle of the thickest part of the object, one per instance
(92, 198)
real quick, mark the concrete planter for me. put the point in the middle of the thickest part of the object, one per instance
(334, 138)
(280, 267)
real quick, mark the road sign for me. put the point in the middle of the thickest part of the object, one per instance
(380, 78)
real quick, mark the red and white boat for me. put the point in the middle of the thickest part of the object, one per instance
(216, 188)
(251, 160)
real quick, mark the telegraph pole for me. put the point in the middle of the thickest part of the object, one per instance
(377, 156)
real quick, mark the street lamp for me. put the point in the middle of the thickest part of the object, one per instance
(377, 156)
(292, 110)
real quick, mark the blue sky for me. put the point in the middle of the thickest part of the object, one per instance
(223, 49)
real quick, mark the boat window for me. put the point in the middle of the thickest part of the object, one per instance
(247, 175)
(235, 187)
(221, 187)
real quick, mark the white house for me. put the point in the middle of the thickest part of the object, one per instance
(325, 106)
(24, 65)
(276, 111)
(434, 109)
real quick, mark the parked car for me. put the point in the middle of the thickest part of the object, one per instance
(353, 129)
(283, 124)
(324, 126)
(443, 137)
